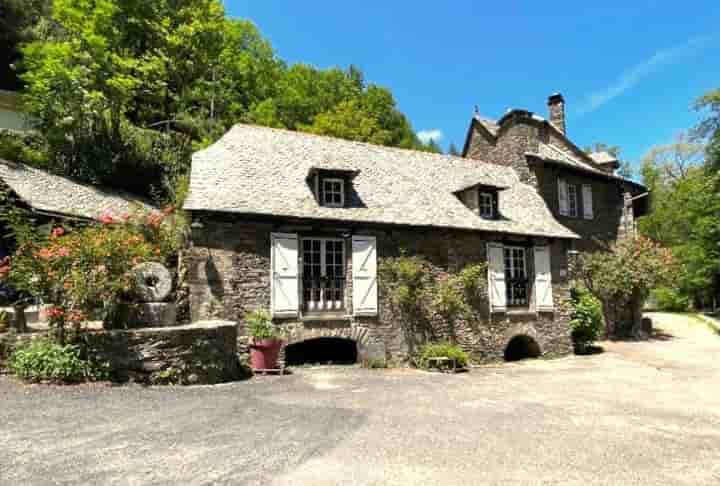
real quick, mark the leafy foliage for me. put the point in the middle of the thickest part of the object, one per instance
(709, 128)
(670, 299)
(623, 277)
(43, 360)
(443, 350)
(260, 325)
(123, 92)
(408, 278)
(586, 320)
(685, 215)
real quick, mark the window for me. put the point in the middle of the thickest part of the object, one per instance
(323, 274)
(487, 203)
(572, 198)
(516, 275)
(333, 192)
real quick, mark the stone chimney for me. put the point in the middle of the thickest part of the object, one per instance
(556, 105)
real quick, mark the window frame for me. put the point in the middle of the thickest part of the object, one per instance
(324, 264)
(573, 201)
(324, 193)
(486, 200)
(510, 300)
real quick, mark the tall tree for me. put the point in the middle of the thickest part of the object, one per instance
(453, 150)
(709, 128)
(685, 214)
(20, 21)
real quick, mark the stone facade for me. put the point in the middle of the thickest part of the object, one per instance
(229, 275)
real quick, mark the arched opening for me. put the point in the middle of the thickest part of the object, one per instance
(521, 347)
(324, 350)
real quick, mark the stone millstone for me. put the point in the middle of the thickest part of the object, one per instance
(153, 282)
(152, 314)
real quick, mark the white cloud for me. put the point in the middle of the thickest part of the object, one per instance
(629, 78)
(426, 135)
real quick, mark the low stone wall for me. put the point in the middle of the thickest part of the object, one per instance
(201, 353)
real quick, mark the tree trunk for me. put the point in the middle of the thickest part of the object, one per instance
(19, 320)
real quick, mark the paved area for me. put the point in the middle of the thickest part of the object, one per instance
(640, 413)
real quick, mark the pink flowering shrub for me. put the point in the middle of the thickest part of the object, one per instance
(89, 269)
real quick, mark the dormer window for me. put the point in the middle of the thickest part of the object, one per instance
(483, 200)
(487, 205)
(333, 192)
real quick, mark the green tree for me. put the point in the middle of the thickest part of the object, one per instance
(21, 21)
(124, 91)
(709, 128)
(685, 216)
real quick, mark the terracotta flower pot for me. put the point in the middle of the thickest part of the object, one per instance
(264, 353)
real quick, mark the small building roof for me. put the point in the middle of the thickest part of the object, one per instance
(263, 171)
(603, 157)
(60, 196)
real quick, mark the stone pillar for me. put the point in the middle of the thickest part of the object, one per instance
(627, 218)
(556, 106)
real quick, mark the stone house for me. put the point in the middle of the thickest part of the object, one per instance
(298, 224)
(582, 190)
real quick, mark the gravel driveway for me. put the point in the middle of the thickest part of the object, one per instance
(640, 413)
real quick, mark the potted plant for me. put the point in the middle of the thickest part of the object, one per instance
(266, 341)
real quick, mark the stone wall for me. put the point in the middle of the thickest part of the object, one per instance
(201, 353)
(229, 275)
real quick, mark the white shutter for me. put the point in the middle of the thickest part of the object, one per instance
(563, 196)
(587, 201)
(496, 278)
(284, 274)
(543, 280)
(364, 273)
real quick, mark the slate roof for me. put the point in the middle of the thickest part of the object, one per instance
(263, 171)
(552, 152)
(603, 157)
(57, 195)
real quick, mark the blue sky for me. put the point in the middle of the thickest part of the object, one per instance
(629, 70)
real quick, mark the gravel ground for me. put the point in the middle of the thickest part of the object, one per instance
(640, 413)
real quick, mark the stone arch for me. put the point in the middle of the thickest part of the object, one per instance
(357, 334)
(520, 347)
(310, 335)
(521, 342)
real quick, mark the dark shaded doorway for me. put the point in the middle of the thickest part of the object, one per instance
(521, 347)
(322, 351)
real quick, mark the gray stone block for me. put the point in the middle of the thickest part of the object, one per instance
(153, 282)
(152, 314)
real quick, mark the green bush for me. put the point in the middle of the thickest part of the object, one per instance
(443, 350)
(260, 326)
(43, 360)
(669, 299)
(586, 320)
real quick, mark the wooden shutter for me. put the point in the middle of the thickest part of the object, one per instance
(284, 275)
(563, 197)
(543, 280)
(364, 273)
(496, 278)
(587, 201)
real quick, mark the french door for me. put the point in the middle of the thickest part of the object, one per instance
(323, 278)
(516, 276)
